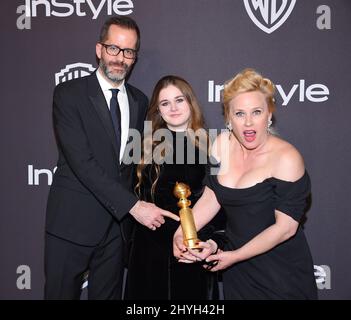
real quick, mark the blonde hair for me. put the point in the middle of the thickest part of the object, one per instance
(246, 81)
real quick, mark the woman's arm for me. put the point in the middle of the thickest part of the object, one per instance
(283, 228)
(204, 211)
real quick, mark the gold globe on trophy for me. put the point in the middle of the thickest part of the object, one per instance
(182, 192)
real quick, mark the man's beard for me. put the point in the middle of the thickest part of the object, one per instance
(114, 77)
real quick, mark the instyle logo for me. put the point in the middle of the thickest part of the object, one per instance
(300, 91)
(323, 276)
(73, 71)
(65, 8)
(38, 176)
(267, 14)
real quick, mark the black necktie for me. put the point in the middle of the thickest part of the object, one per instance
(116, 117)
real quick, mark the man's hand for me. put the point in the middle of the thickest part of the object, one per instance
(150, 215)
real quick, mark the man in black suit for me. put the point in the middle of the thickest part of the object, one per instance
(90, 196)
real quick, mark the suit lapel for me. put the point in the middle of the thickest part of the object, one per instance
(133, 117)
(98, 100)
(133, 108)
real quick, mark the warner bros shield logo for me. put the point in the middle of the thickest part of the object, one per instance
(269, 15)
(73, 71)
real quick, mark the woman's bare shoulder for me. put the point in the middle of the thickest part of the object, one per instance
(288, 163)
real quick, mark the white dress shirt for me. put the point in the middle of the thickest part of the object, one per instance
(123, 106)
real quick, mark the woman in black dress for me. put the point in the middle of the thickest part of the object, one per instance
(153, 272)
(262, 184)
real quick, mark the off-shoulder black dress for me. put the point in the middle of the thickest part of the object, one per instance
(284, 272)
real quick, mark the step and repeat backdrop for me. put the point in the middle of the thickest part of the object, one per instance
(303, 46)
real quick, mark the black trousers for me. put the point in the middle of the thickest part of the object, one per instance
(67, 262)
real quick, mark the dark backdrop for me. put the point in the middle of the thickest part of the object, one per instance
(303, 46)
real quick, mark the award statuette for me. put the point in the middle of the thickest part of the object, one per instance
(182, 191)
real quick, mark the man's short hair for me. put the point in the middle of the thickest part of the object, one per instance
(121, 21)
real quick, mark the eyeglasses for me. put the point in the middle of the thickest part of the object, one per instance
(113, 50)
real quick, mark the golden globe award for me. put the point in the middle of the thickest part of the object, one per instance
(182, 192)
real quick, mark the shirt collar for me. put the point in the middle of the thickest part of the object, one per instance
(105, 85)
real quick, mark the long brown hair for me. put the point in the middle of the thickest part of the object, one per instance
(196, 122)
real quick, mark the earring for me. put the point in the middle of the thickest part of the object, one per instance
(269, 124)
(229, 126)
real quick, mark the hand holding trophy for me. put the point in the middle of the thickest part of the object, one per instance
(182, 192)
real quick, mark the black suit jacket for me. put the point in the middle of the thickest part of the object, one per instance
(91, 191)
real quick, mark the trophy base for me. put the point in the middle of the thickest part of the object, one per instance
(192, 244)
